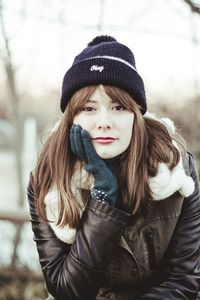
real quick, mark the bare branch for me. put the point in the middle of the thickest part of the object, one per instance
(17, 216)
(4, 31)
(195, 8)
(22, 274)
(101, 16)
(7, 59)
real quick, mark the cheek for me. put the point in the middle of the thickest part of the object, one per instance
(79, 120)
(129, 125)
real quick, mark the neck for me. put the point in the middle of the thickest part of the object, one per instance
(112, 163)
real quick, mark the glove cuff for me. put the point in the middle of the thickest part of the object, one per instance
(99, 196)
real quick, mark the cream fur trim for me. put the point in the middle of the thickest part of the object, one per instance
(65, 234)
(79, 180)
(167, 182)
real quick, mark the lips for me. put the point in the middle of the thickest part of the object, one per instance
(104, 140)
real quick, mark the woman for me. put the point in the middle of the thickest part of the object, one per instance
(114, 198)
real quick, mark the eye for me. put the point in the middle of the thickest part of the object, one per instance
(118, 108)
(88, 108)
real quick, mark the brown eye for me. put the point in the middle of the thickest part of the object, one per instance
(119, 108)
(88, 108)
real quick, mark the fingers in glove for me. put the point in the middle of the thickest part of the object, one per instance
(80, 148)
(76, 142)
(72, 142)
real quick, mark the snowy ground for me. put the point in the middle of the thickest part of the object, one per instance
(8, 191)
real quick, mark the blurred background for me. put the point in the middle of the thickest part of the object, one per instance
(38, 41)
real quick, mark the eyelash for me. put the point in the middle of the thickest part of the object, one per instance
(90, 108)
(121, 107)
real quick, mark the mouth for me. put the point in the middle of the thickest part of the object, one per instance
(104, 140)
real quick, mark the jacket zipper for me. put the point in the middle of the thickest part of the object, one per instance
(151, 249)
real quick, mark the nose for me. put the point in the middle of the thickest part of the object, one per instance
(104, 120)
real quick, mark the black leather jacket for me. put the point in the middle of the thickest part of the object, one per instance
(82, 270)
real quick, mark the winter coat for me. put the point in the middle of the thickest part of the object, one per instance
(113, 255)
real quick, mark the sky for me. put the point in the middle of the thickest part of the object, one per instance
(163, 35)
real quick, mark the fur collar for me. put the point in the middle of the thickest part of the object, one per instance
(163, 185)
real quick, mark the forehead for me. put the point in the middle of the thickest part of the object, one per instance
(100, 95)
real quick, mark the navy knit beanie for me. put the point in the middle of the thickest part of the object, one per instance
(104, 61)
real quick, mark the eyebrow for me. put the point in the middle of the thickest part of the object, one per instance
(94, 101)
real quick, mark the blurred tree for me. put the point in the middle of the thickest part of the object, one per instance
(15, 118)
(101, 16)
(187, 122)
(194, 5)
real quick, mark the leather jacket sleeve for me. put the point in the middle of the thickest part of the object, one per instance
(180, 272)
(76, 271)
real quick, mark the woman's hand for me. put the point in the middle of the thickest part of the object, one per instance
(105, 182)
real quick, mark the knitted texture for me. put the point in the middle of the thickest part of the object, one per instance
(104, 61)
(105, 188)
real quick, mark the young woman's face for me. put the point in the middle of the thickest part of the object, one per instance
(108, 123)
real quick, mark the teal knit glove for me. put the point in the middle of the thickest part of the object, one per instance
(105, 182)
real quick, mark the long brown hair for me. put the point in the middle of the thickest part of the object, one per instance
(150, 144)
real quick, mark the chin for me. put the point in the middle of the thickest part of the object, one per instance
(106, 155)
